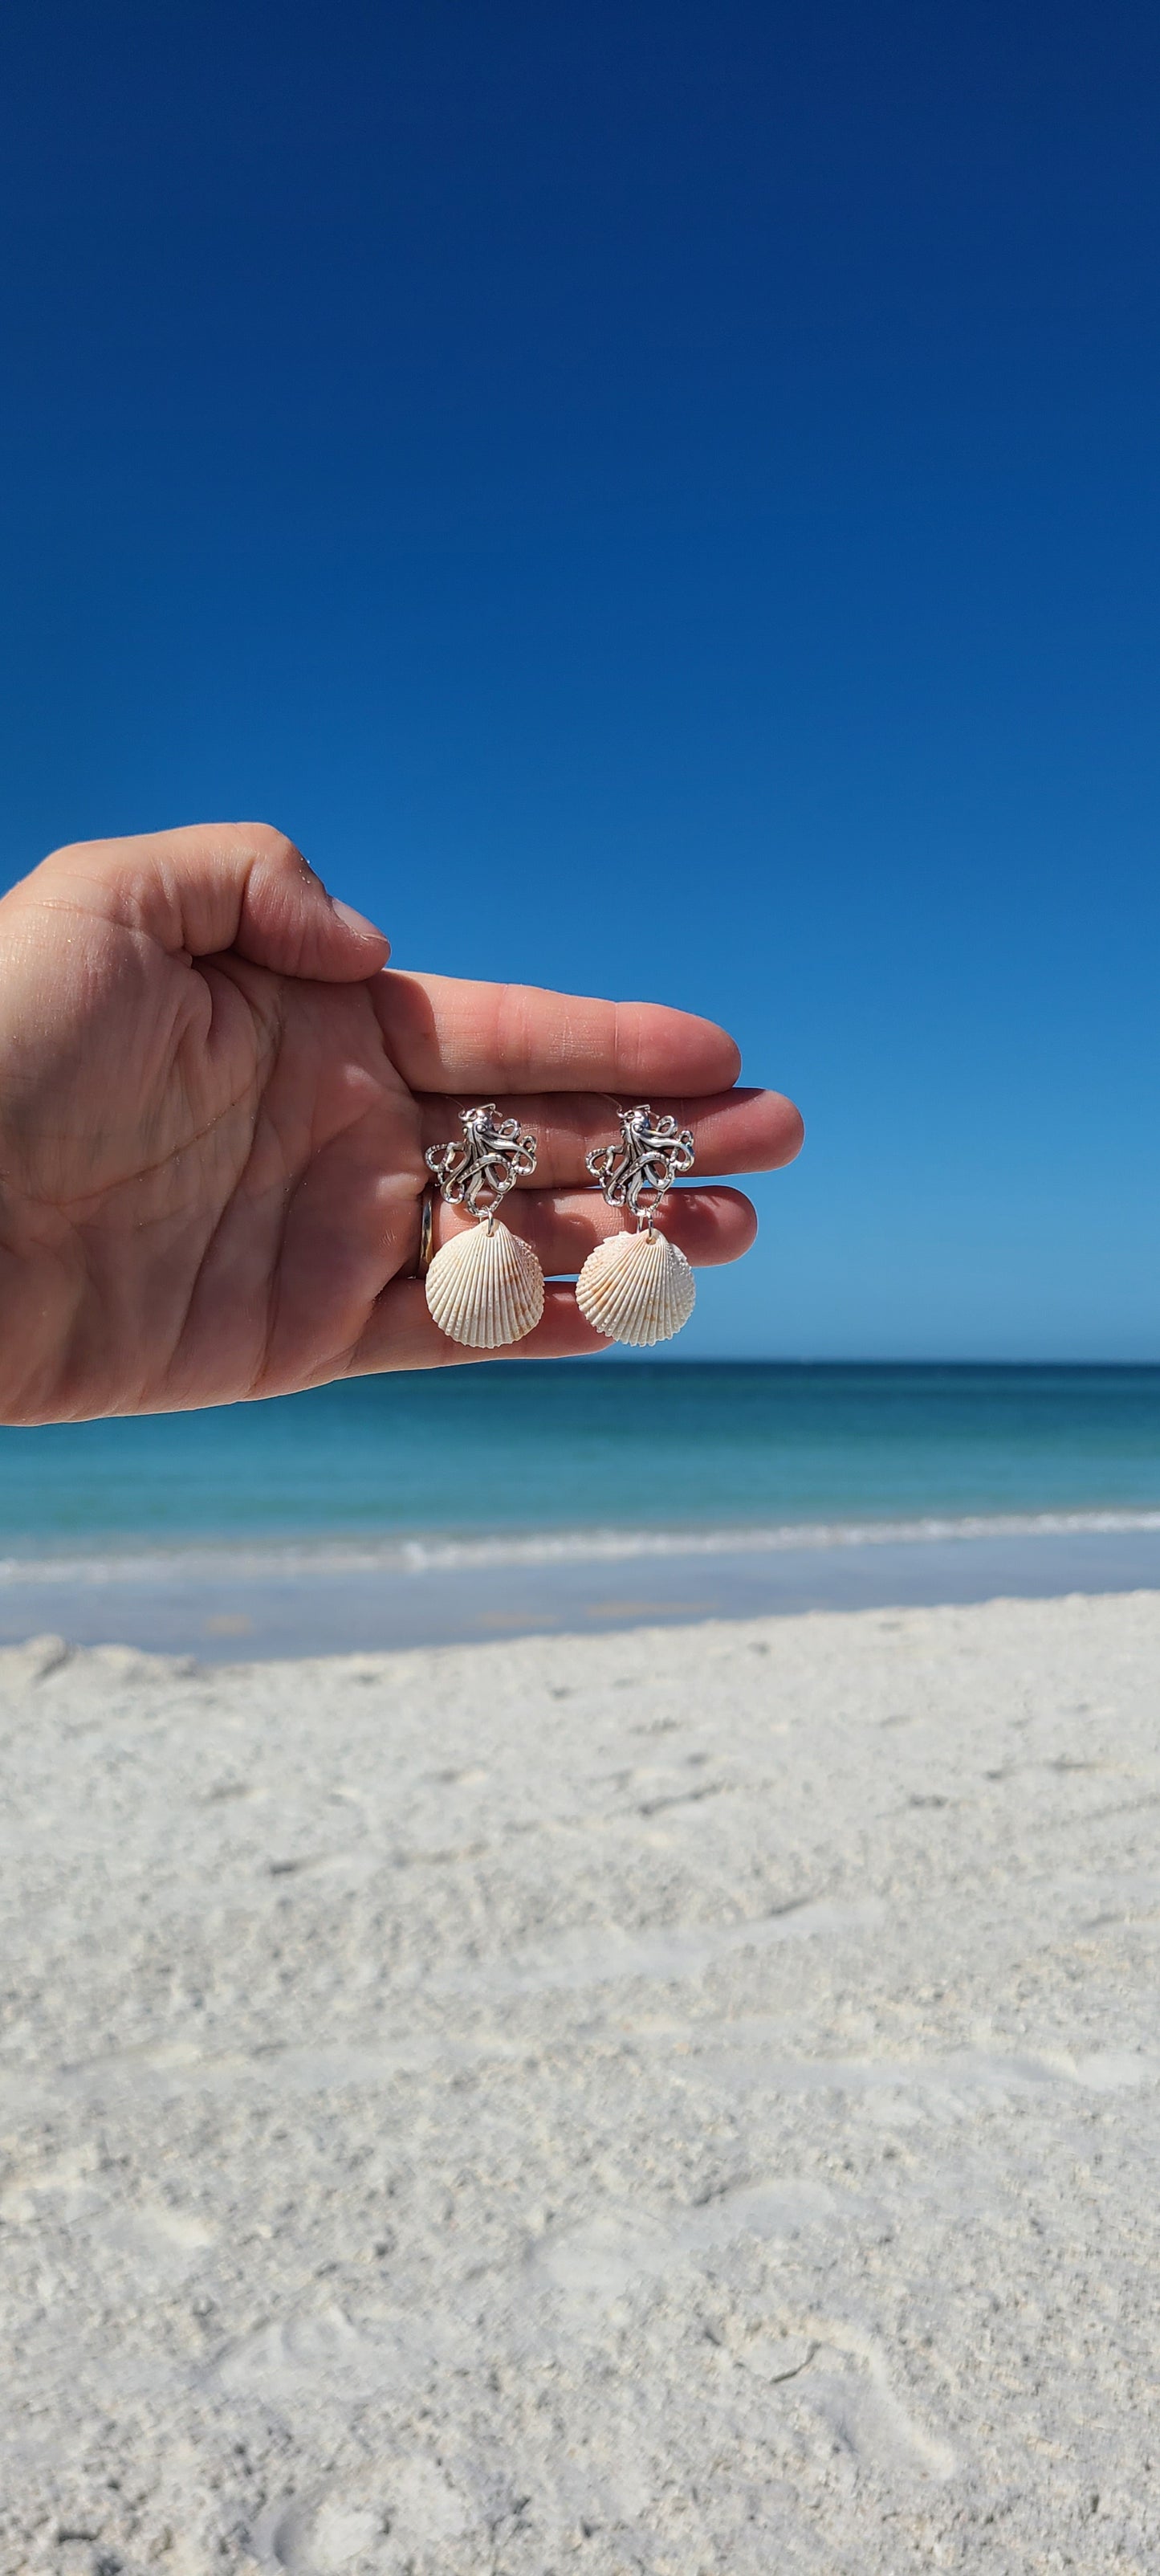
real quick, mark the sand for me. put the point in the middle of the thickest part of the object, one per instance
(672, 2101)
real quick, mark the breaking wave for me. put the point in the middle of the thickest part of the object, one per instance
(440, 1552)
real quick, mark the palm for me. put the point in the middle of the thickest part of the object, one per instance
(214, 1167)
(239, 1225)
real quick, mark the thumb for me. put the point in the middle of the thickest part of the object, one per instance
(217, 886)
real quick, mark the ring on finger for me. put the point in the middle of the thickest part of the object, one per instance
(426, 1233)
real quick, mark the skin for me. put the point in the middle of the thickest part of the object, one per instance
(214, 1107)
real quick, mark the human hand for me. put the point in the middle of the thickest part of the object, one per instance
(214, 1108)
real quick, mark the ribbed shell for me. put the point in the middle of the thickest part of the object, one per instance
(636, 1288)
(486, 1288)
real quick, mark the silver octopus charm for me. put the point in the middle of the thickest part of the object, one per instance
(653, 1153)
(494, 1154)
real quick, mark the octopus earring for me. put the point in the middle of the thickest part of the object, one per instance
(638, 1288)
(485, 1287)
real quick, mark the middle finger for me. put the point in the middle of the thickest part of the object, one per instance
(734, 1131)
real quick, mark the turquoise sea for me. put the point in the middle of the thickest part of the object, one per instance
(475, 1499)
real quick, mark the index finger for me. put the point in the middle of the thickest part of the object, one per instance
(448, 1035)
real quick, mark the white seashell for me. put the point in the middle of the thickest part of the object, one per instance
(637, 1288)
(486, 1288)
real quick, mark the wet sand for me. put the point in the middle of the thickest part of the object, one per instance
(219, 1603)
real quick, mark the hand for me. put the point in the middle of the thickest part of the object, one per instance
(214, 1108)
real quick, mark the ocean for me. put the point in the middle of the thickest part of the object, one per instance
(480, 1501)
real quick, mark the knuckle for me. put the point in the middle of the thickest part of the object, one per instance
(263, 843)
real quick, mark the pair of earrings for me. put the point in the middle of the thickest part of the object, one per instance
(486, 1288)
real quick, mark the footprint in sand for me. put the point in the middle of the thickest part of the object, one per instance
(380, 2526)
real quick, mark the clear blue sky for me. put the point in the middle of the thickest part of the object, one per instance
(659, 499)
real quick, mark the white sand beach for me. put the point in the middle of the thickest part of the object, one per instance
(681, 2101)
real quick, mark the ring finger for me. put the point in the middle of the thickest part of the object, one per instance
(564, 1226)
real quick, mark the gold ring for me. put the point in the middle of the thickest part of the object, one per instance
(426, 1234)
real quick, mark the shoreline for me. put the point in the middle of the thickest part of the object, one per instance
(421, 1550)
(216, 1604)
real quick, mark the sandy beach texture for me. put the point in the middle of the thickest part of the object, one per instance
(682, 2102)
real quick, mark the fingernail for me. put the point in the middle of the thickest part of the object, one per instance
(356, 921)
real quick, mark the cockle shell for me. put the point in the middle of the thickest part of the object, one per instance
(636, 1288)
(485, 1288)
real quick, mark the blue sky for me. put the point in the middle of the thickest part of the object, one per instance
(655, 499)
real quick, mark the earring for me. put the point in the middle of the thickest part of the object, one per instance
(484, 1288)
(638, 1288)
